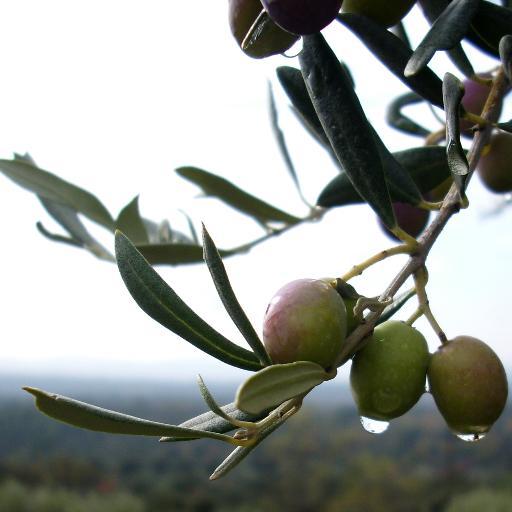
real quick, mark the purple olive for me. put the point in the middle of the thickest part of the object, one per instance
(302, 16)
(306, 320)
(495, 166)
(475, 96)
(411, 219)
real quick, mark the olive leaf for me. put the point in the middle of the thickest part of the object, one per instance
(458, 56)
(345, 124)
(506, 55)
(277, 383)
(235, 197)
(227, 295)
(212, 422)
(394, 54)
(156, 298)
(446, 32)
(69, 220)
(54, 237)
(491, 23)
(90, 417)
(241, 452)
(175, 253)
(427, 166)
(51, 187)
(281, 143)
(453, 91)
(131, 223)
(399, 31)
(401, 122)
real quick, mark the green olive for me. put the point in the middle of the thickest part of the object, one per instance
(242, 14)
(388, 374)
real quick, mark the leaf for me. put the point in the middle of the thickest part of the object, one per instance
(453, 90)
(131, 223)
(175, 254)
(241, 452)
(395, 306)
(345, 124)
(58, 238)
(83, 415)
(191, 228)
(227, 295)
(401, 122)
(293, 84)
(211, 422)
(507, 127)
(400, 184)
(491, 23)
(52, 187)
(427, 166)
(161, 303)
(277, 383)
(69, 220)
(281, 142)
(460, 59)
(506, 55)
(394, 54)
(446, 32)
(233, 196)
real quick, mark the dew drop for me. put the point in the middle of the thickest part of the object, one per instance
(374, 426)
(471, 438)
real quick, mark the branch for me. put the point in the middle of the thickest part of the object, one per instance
(451, 206)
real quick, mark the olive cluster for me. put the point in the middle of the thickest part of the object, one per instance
(308, 320)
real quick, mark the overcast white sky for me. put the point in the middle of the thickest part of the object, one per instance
(113, 96)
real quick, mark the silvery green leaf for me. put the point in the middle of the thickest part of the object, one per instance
(227, 295)
(277, 383)
(156, 298)
(446, 32)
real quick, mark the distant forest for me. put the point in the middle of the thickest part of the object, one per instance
(321, 461)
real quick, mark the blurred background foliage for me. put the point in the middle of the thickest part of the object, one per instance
(323, 461)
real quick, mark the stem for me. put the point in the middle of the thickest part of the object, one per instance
(316, 214)
(357, 270)
(451, 206)
(417, 314)
(420, 280)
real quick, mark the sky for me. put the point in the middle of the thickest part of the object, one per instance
(113, 96)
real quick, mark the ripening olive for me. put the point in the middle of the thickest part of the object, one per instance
(302, 16)
(495, 165)
(469, 385)
(383, 12)
(411, 219)
(305, 321)
(388, 374)
(475, 96)
(242, 14)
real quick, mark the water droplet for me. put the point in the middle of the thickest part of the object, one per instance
(471, 438)
(374, 426)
